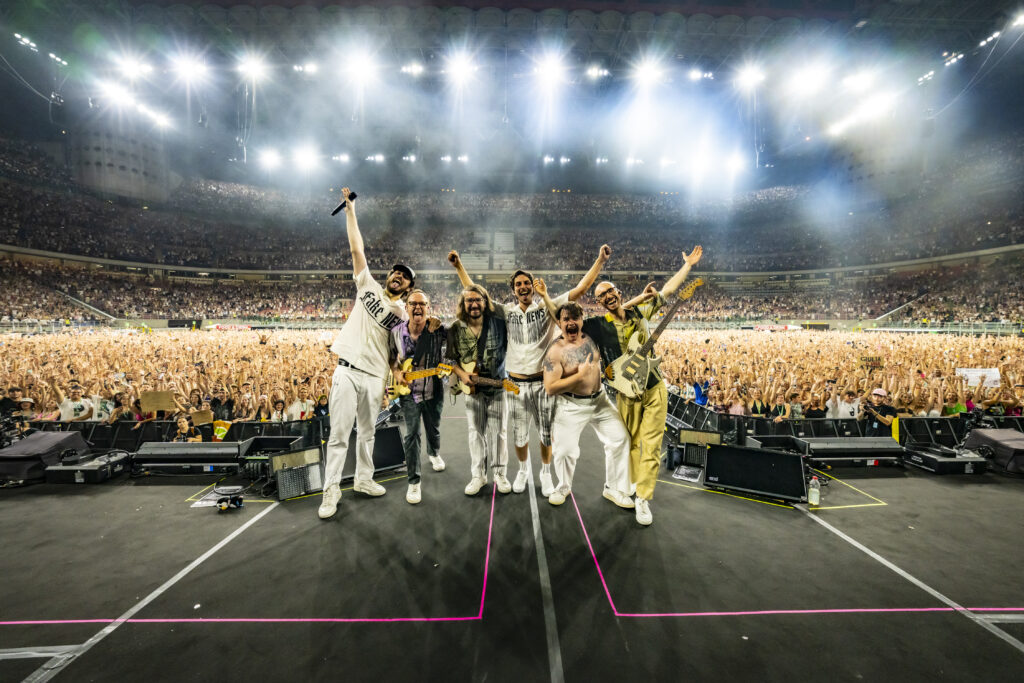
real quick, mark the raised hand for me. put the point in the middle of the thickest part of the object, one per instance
(604, 253)
(540, 287)
(453, 258)
(694, 256)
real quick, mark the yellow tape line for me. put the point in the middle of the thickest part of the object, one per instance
(731, 495)
(320, 493)
(863, 493)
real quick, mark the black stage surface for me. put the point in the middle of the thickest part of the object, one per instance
(899, 576)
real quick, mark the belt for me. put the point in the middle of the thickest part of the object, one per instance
(520, 380)
(345, 364)
(593, 395)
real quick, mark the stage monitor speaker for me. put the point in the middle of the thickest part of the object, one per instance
(761, 471)
(1004, 447)
(297, 474)
(697, 437)
(27, 460)
(203, 455)
(388, 452)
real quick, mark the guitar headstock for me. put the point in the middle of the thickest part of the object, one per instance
(443, 370)
(509, 385)
(687, 291)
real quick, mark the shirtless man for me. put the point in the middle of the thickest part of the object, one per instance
(572, 374)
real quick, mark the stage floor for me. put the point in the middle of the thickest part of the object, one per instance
(899, 576)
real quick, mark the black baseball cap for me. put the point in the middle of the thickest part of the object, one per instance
(405, 270)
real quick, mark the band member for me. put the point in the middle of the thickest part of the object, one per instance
(531, 328)
(644, 416)
(478, 336)
(422, 340)
(358, 382)
(572, 375)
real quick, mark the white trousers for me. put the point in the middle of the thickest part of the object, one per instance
(355, 399)
(571, 416)
(488, 433)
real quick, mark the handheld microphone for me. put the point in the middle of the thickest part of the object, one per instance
(351, 197)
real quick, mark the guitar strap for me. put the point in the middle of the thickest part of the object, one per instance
(420, 348)
(481, 344)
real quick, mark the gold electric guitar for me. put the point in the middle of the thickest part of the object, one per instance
(459, 388)
(396, 390)
(629, 372)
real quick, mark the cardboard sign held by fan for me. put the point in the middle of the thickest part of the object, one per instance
(153, 401)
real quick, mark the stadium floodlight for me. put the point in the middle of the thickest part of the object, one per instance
(117, 95)
(459, 68)
(133, 68)
(411, 158)
(188, 69)
(595, 72)
(160, 120)
(859, 81)
(413, 69)
(666, 162)
(809, 80)
(551, 70)
(270, 159)
(695, 74)
(601, 160)
(647, 72)
(340, 158)
(305, 158)
(447, 158)
(252, 67)
(362, 68)
(310, 67)
(1019, 21)
(548, 159)
(735, 163)
(749, 77)
(564, 160)
(463, 159)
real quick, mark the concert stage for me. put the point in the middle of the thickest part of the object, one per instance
(897, 576)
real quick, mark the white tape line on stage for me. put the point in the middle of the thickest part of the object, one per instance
(57, 664)
(550, 625)
(36, 652)
(977, 619)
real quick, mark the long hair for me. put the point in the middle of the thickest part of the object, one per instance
(460, 310)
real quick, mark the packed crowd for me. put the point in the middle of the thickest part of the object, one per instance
(245, 376)
(24, 299)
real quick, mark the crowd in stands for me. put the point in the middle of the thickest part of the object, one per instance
(101, 374)
(230, 225)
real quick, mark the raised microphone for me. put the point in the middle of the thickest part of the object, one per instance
(351, 197)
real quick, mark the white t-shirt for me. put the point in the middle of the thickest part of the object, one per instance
(69, 409)
(363, 340)
(101, 408)
(841, 409)
(300, 410)
(529, 335)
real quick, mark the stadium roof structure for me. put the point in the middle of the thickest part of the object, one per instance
(710, 33)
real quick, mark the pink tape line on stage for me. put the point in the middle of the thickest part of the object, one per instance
(296, 620)
(747, 613)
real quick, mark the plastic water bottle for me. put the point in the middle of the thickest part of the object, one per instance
(814, 492)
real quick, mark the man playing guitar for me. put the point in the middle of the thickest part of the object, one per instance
(643, 416)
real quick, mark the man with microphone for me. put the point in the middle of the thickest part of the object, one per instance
(362, 347)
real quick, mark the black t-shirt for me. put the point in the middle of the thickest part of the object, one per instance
(7, 405)
(873, 426)
(182, 438)
(815, 412)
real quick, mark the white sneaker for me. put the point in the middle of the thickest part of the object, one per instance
(474, 486)
(369, 487)
(502, 483)
(437, 463)
(619, 498)
(412, 496)
(556, 498)
(519, 485)
(332, 494)
(547, 487)
(643, 512)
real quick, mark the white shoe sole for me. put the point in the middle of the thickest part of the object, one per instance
(628, 505)
(375, 492)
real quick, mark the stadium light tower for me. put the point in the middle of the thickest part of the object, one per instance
(749, 77)
(188, 69)
(305, 158)
(270, 159)
(648, 72)
(551, 71)
(252, 67)
(133, 67)
(363, 68)
(459, 68)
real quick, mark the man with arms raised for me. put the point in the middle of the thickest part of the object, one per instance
(572, 375)
(530, 330)
(358, 382)
(643, 416)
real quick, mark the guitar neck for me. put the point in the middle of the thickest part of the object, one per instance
(488, 382)
(420, 374)
(649, 344)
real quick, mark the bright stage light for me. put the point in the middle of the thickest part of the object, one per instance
(133, 68)
(310, 67)
(188, 69)
(595, 72)
(460, 68)
(1019, 21)
(413, 69)
(550, 71)
(809, 80)
(341, 158)
(362, 68)
(411, 158)
(447, 158)
(117, 95)
(548, 159)
(564, 160)
(601, 160)
(252, 67)
(647, 72)
(270, 159)
(160, 120)
(695, 74)
(859, 81)
(666, 162)
(735, 163)
(305, 158)
(463, 159)
(749, 77)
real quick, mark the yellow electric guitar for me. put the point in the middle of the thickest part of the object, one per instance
(629, 372)
(459, 388)
(395, 390)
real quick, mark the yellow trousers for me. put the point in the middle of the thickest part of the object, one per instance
(645, 422)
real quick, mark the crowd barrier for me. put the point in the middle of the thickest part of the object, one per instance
(126, 436)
